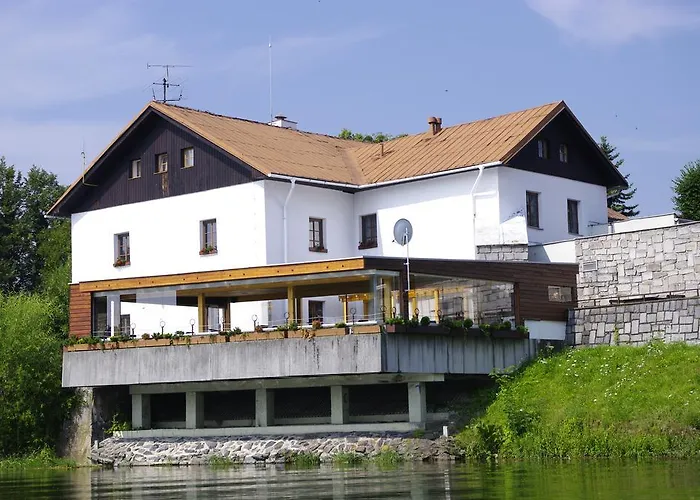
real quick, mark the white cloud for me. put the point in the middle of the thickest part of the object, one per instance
(617, 21)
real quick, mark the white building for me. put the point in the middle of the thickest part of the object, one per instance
(187, 191)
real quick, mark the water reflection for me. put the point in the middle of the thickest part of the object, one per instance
(584, 480)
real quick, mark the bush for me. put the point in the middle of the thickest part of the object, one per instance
(468, 323)
(425, 321)
(34, 405)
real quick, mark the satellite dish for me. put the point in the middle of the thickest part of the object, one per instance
(403, 232)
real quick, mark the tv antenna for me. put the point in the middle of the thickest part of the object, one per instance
(166, 81)
(403, 232)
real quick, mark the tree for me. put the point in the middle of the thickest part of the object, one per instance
(619, 199)
(27, 245)
(686, 202)
(376, 138)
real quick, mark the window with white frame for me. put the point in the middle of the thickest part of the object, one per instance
(135, 169)
(317, 238)
(122, 251)
(161, 163)
(563, 153)
(188, 157)
(207, 237)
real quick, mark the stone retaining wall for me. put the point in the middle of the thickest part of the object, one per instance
(502, 252)
(264, 450)
(640, 262)
(674, 320)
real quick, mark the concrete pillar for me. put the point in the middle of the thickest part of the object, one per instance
(417, 411)
(140, 411)
(340, 405)
(264, 407)
(194, 410)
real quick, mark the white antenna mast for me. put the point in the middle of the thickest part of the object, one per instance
(269, 46)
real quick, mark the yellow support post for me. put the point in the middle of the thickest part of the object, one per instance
(202, 313)
(365, 309)
(345, 310)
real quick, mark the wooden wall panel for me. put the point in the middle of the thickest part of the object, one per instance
(80, 312)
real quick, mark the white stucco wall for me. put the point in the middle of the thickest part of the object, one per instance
(439, 209)
(165, 237)
(554, 191)
(560, 252)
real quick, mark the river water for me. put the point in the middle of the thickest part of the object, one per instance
(599, 480)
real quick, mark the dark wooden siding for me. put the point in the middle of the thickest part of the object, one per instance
(213, 168)
(532, 279)
(80, 313)
(585, 162)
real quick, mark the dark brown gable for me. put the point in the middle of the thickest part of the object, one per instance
(109, 185)
(585, 161)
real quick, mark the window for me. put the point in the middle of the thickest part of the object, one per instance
(315, 311)
(543, 149)
(316, 237)
(122, 252)
(161, 163)
(207, 237)
(125, 324)
(572, 215)
(188, 157)
(368, 228)
(560, 294)
(563, 153)
(533, 209)
(135, 170)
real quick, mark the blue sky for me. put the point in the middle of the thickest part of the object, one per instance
(75, 72)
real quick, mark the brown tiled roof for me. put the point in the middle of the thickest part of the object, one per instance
(275, 150)
(614, 215)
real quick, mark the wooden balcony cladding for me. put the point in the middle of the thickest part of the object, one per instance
(80, 314)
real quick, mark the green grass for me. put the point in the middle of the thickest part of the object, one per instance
(349, 458)
(44, 459)
(387, 457)
(304, 459)
(219, 462)
(598, 402)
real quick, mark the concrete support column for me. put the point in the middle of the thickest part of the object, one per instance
(140, 411)
(194, 410)
(417, 410)
(340, 405)
(264, 407)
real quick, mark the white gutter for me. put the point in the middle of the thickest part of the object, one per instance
(387, 183)
(471, 194)
(284, 218)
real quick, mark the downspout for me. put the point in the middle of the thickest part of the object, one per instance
(471, 193)
(284, 219)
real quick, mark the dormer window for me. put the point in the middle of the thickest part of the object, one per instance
(563, 153)
(543, 149)
(161, 163)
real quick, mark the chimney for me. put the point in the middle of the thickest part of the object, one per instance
(435, 124)
(282, 122)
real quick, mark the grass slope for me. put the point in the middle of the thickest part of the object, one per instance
(600, 402)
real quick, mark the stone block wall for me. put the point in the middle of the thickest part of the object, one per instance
(674, 320)
(502, 252)
(636, 263)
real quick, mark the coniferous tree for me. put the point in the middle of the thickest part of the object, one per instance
(619, 199)
(686, 202)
